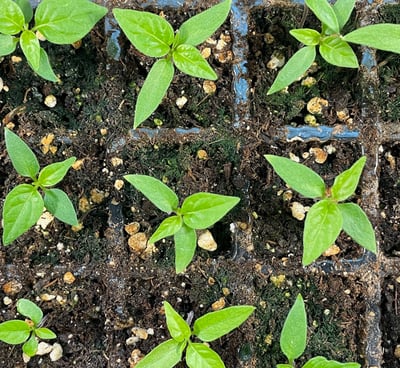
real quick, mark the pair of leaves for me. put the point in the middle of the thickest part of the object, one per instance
(24, 205)
(207, 328)
(327, 217)
(60, 23)
(198, 211)
(154, 36)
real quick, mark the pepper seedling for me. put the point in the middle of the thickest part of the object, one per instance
(59, 22)
(154, 36)
(327, 217)
(26, 332)
(333, 46)
(207, 328)
(198, 211)
(24, 205)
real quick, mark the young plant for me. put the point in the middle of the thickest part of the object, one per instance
(293, 340)
(24, 204)
(198, 211)
(333, 46)
(327, 217)
(59, 22)
(207, 328)
(154, 36)
(26, 332)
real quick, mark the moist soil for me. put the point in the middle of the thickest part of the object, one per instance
(118, 291)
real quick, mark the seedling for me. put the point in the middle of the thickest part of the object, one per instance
(207, 328)
(333, 46)
(198, 211)
(26, 332)
(154, 36)
(60, 23)
(293, 340)
(327, 217)
(24, 204)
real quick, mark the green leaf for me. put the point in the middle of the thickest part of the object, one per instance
(8, 44)
(294, 332)
(190, 61)
(201, 210)
(284, 366)
(26, 8)
(149, 33)
(325, 13)
(57, 203)
(213, 325)
(321, 362)
(346, 183)
(155, 191)
(169, 353)
(298, 176)
(153, 90)
(343, 9)
(67, 21)
(357, 225)
(177, 327)
(295, 67)
(201, 356)
(45, 333)
(384, 36)
(185, 246)
(22, 208)
(12, 19)
(338, 52)
(54, 173)
(307, 36)
(22, 157)
(30, 310)
(31, 346)
(198, 28)
(45, 70)
(168, 227)
(322, 227)
(14, 332)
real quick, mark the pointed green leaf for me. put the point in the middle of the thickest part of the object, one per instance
(384, 36)
(169, 353)
(31, 346)
(8, 44)
(321, 362)
(343, 9)
(153, 90)
(22, 157)
(190, 61)
(295, 67)
(30, 310)
(26, 8)
(325, 13)
(168, 227)
(357, 225)
(45, 70)
(185, 246)
(54, 173)
(198, 28)
(57, 203)
(298, 176)
(45, 333)
(201, 210)
(307, 36)
(346, 183)
(12, 19)
(322, 226)
(284, 366)
(177, 327)
(155, 191)
(213, 325)
(338, 52)
(294, 332)
(201, 356)
(14, 332)
(149, 33)
(67, 21)
(22, 208)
